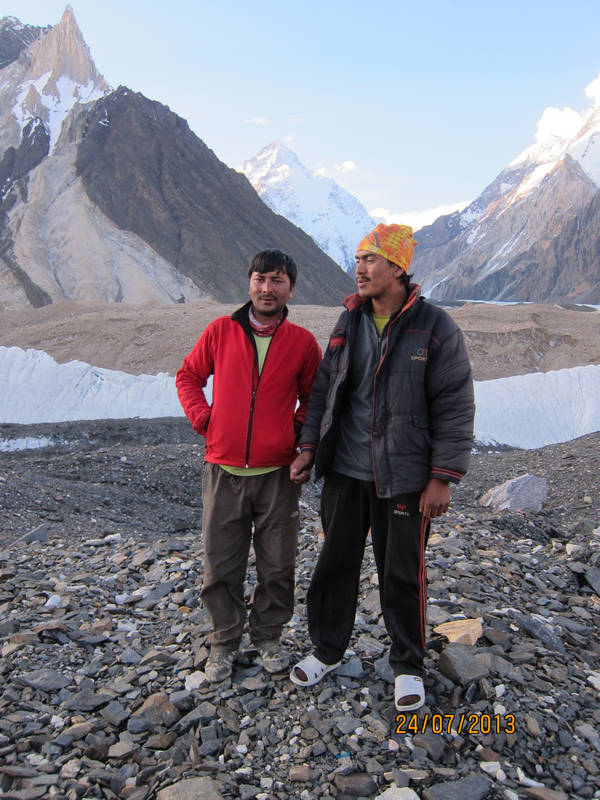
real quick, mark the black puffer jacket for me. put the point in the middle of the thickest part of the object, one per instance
(423, 406)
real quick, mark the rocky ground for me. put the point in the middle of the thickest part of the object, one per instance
(103, 639)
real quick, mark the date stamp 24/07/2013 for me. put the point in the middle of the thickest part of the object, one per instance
(470, 724)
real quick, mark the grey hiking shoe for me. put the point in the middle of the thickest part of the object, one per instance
(272, 656)
(219, 664)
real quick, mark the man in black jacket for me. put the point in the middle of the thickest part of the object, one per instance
(390, 425)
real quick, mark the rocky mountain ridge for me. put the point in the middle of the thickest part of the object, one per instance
(15, 37)
(334, 218)
(109, 196)
(532, 234)
(199, 215)
(53, 69)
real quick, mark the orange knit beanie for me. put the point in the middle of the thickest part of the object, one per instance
(393, 242)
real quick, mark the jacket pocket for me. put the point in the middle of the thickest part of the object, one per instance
(421, 422)
(409, 436)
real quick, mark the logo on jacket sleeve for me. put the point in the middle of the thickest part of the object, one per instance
(419, 354)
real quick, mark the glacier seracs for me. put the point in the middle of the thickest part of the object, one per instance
(525, 411)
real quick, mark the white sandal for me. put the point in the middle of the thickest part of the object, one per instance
(408, 686)
(314, 670)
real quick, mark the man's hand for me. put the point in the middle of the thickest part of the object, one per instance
(435, 498)
(301, 466)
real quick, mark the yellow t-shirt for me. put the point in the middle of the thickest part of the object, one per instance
(380, 323)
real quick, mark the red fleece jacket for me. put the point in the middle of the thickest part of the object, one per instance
(251, 420)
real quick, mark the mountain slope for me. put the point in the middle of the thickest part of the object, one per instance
(567, 258)
(512, 242)
(15, 37)
(332, 216)
(198, 214)
(69, 250)
(109, 196)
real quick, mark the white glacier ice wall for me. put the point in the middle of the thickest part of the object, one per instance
(541, 408)
(527, 411)
(34, 388)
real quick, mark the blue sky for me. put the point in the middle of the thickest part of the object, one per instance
(409, 106)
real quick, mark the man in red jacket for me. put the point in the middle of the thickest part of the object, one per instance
(263, 368)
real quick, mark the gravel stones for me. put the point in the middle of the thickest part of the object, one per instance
(475, 787)
(191, 789)
(525, 493)
(461, 631)
(460, 663)
(47, 680)
(103, 693)
(356, 785)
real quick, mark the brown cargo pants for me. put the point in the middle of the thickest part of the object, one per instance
(237, 510)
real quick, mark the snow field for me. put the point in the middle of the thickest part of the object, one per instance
(526, 411)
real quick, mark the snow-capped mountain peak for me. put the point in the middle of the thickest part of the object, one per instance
(274, 163)
(57, 72)
(332, 216)
(555, 129)
(530, 235)
(562, 131)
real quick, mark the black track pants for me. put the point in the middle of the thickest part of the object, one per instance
(349, 507)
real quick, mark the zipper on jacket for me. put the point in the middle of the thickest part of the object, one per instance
(250, 421)
(409, 304)
(255, 382)
(380, 357)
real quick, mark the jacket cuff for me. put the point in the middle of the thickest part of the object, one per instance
(448, 475)
(309, 447)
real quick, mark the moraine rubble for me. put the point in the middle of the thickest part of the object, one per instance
(103, 640)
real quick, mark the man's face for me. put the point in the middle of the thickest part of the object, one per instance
(375, 276)
(269, 293)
